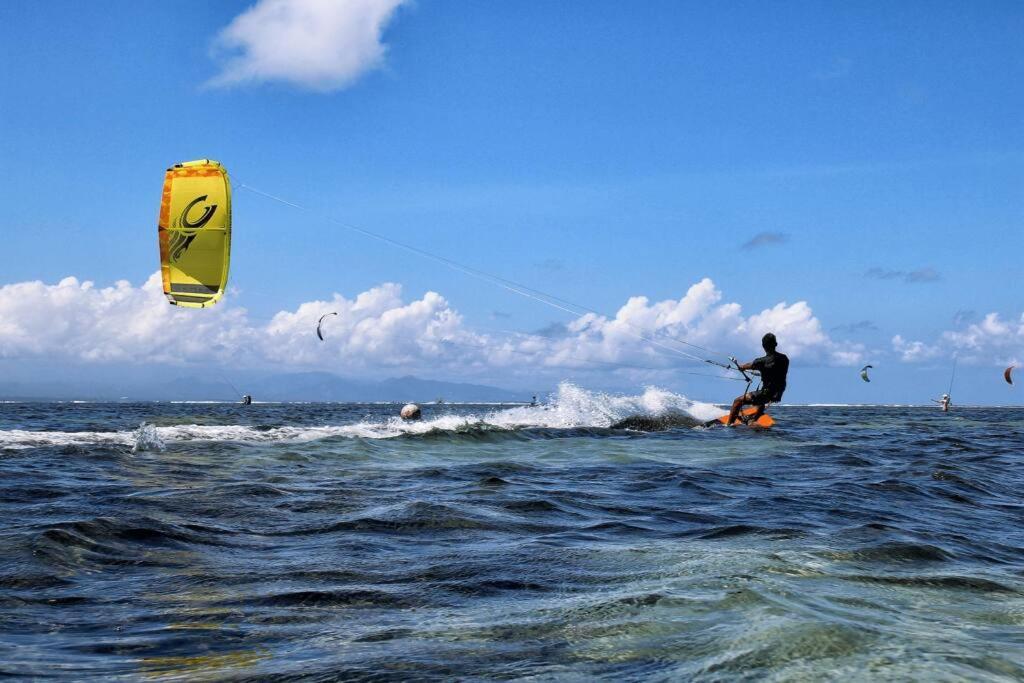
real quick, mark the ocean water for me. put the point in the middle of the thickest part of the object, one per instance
(331, 541)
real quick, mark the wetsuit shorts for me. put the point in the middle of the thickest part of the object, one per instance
(762, 397)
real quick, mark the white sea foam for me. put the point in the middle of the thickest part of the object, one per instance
(571, 406)
(18, 438)
(147, 438)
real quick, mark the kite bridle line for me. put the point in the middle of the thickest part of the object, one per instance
(594, 361)
(233, 387)
(504, 283)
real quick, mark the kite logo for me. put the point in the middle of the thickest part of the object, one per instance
(196, 226)
(187, 229)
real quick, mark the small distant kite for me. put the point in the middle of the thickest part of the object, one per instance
(864, 373)
(1007, 374)
(319, 325)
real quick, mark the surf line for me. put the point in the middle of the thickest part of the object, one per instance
(550, 300)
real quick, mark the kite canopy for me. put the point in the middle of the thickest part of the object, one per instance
(1008, 374)
(864, 373)
(320, 323)
(195, 233)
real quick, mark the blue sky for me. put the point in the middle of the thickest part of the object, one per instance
(598, 151)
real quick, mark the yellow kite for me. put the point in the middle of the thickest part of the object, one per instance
(195, 233)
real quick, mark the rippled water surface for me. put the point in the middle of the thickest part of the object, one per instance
(326, 541)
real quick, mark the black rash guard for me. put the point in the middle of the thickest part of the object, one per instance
(773, 367)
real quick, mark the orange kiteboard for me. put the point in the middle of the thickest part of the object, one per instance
(763, 422)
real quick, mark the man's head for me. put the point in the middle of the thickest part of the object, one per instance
(769, 342)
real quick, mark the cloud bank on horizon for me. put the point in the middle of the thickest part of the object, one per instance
(992, 339)
(379, 330)
(320, 45)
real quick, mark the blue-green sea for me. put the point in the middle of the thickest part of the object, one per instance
(164, 541)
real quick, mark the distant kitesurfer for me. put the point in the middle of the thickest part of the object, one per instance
(247, 400)
(773, 367)
(534, 401)
(943, 402)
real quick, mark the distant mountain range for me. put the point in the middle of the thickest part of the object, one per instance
(305, 386)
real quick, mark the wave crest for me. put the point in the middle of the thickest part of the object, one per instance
(570, 407)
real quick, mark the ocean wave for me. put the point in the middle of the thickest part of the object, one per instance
(509, 542)
(571, 408)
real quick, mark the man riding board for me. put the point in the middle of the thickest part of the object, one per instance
(773, 367)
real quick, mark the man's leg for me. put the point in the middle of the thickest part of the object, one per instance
(735, 410)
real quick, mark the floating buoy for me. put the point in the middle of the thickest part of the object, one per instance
(410, 411)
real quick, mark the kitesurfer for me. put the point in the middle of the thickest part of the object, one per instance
(774, 367)
(247, 400)
(943, 402)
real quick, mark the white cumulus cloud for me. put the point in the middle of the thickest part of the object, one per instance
(991, 334)
(375, 329)
(121, 323)
(699, 318)
(992, 340)
(321, 45)
(914, 351)
(380, 330)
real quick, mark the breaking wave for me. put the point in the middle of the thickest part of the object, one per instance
(570, 407)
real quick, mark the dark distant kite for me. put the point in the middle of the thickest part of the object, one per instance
(319, 325)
